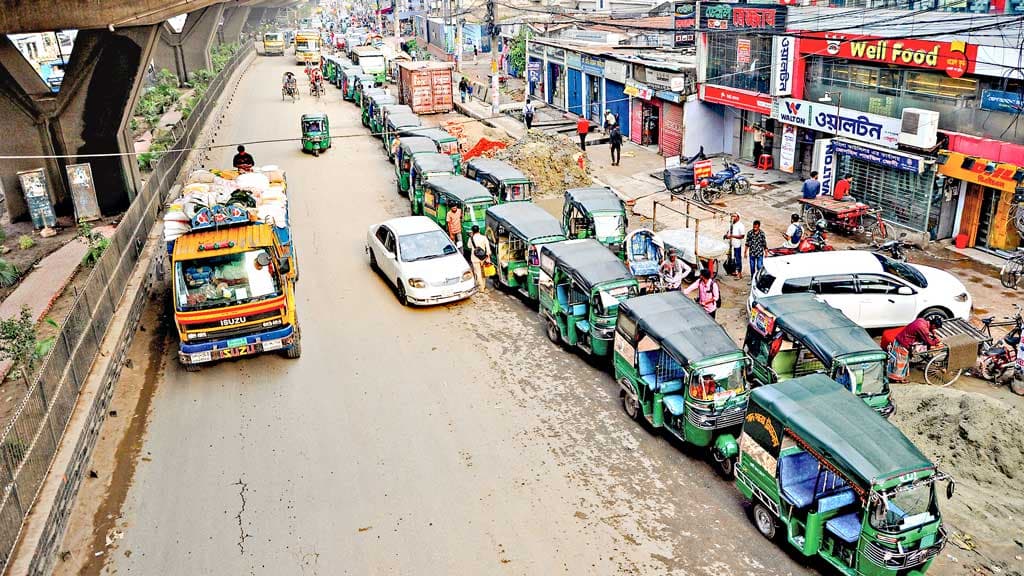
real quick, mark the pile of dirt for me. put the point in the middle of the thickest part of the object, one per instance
(980, 442)
(550, 160)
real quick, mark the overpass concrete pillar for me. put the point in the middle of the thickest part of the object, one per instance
(90, 115)
(234, 21)
(189, 50)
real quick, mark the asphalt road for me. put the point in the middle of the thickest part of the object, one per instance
(452, 440)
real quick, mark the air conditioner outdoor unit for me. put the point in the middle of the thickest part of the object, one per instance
(920, 128)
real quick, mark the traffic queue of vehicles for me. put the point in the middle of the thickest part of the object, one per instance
(809, 445)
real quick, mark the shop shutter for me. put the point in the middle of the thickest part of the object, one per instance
(971, 213)
(575, 91)
(617, 101)
(1004, 234)
(635, 118)
(671, 136)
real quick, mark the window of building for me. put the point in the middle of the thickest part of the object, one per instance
(742, 62)
(940, 85)
(919, 84)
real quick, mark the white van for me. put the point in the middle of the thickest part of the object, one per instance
(871, 289)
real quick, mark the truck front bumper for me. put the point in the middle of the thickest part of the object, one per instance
(249, 345)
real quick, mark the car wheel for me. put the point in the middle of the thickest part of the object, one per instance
(373, 261)
(403, 298)
(935, 312)
(764, 520)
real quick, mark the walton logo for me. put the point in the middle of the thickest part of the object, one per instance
(793, 108)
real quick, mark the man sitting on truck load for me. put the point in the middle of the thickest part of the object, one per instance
(243, 161)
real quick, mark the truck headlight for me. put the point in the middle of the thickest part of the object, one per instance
(962, 297)
(417, 283)
(467, 275)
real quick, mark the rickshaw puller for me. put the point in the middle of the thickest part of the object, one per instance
(920, 332)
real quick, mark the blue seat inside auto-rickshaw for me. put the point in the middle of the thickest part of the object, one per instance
(836, 500)
(800, 479)
(560, 293)
(579, 310)
(846, 527)
(668, 381)
(675, 404)
(643, 267)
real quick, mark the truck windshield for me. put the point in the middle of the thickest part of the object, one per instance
(904, 507)
(719, 382)
(227, 280)
(609, 225)
(272, 38)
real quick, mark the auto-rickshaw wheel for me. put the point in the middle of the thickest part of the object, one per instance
(552, 330)
(726, 466)
(630, 405)
(316, 152)
(764, 521)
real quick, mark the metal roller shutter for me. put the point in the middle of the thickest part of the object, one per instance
(671, 137)
(617, 101)
(575, 91)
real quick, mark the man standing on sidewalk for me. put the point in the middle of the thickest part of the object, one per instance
(755, 246)
(582, 129)
(615, 143)
(463, 88)
(528, 111)
(736, 235)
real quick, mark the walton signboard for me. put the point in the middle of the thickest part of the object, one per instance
(853, 124)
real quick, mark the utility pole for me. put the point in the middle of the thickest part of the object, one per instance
(398, 22)
(492, 24)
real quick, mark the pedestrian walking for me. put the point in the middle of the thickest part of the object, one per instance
(453, 222)
(755, 247)
(463, 89)
(479, 256)
(736, 235)
(615, 144)
(583, 128)
(528, 111)
(476, 52)
(708, 294)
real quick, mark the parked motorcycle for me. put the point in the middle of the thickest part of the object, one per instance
(815, 242)
(679, 179)
(896, 248)
(999, 363)
(729, 179)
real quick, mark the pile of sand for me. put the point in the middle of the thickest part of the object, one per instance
(980, 442)
(550, 160)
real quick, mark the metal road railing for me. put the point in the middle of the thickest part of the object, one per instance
(29, 442)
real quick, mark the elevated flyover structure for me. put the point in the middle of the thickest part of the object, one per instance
(88, 119)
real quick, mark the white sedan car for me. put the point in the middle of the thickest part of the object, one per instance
(871, 289)
(417, 257)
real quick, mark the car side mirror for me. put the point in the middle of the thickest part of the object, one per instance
(904, 291)
(389, 255)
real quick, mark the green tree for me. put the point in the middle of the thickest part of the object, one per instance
(517, 52)
(18, 342)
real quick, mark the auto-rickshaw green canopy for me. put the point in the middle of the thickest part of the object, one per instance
(529, 221)
(416, 145)
(433, 162)
(463, 189)
(588, 262)
(841, 429)
(826, 331)
(594, 199)
(497, 169)
(682, 327)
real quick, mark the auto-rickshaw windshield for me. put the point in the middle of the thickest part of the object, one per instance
(905, 507)
(313, 126)
(225, 280)
(719, 381)
(449, 147)
(514, 192)
(868, 378)
(606, 302)
(606, 225)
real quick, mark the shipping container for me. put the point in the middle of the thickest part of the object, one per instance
(426, 87)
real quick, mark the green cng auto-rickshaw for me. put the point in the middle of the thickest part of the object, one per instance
(516, 232)
(580, 284)
(680, 370)
(372, 110)
(348, 81)
(506, 183)
(425, 167)
(397, 126)
(363, 83)
(839, 480)
(595, 213)
(380, 115)
(442, 192)
(331, 67)
(446, 144)
(408, 148)
(792, 335)
(366, 103)
(316, 133)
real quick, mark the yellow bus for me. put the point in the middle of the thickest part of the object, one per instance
(307, 46)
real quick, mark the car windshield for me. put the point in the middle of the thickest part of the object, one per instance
(719, 382)
(763, 281)
(225, 280)
(869, 377)
(609, 225)
(424, 246)
(272, 37)
(904, 508)
(902, 270)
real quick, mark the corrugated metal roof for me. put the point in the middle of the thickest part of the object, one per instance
(245, 238)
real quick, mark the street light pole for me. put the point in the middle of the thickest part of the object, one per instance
(492, 22)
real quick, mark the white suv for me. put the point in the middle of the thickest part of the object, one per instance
(871, 289)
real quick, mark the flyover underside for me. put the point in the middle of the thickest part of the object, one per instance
(88, 116)
(90, 14)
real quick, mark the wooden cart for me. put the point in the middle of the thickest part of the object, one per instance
(844, 217)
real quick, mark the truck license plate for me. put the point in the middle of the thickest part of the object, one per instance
(201, 357)
(236, 342)
(271, 345)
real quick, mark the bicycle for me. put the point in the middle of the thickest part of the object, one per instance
(935, 367)
(1012, 272)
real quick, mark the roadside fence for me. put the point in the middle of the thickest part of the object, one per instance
(30, 440)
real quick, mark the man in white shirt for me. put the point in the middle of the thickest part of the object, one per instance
(794, 232)
(737, 233)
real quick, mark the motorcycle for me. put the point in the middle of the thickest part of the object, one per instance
(1000, 362)
(679, 179)
(896, 248)
(710, 189)
(815, 242)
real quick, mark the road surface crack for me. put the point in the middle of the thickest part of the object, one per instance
(243, 487)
